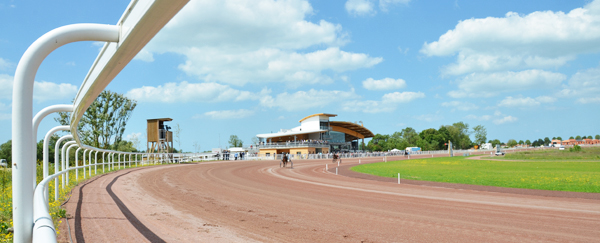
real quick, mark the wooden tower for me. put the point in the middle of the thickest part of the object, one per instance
(160, 139)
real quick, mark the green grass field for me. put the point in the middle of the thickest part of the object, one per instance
(548, 175)
(586, 154)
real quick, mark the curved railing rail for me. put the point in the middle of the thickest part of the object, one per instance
(139, 23)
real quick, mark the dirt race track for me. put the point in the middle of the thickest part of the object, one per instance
(256, 201)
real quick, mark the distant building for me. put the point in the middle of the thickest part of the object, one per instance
(316, 134)
(487, 146)
(581, 142)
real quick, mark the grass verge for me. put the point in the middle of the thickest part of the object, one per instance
(556, 176)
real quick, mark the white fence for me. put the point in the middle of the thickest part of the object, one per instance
(139, 23)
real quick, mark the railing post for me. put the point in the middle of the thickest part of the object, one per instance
(57, 165)
(84, 151)
(96, 163)
(77, 164)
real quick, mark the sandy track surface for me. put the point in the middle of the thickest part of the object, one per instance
(258, 201)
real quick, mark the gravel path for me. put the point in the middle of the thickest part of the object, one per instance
(258, 201)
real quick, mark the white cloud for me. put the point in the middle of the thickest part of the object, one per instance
(4, 107)
(360, 7)
(191, 92)
(525, 102)
(388, 103)
(238, 42)
(5, 64)
(479, 118)
(403, 97)
(4, 116)
(584, 85)
(366, 7)
(131, 136)
(272, 65)
(540, 39)
(429, 117)
(588, 100)
(42, 90)
(303, 100)
(229, 114)
(385, 4)
(492, 84)
(506, 119)
(144, 55)
(459, 105)
(384, 84)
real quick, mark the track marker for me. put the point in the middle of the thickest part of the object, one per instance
(398, 178)
(336, 170)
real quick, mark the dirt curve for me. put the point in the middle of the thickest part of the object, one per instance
(258, 201)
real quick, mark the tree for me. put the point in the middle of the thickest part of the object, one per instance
(527, 142)
(103, 123)
(559, 138)
(511, 143)
(571, 137)
(234, 141)
(590, 137)
(521, 142)
(578, 137)
(495, 142)
(597, 136)
(547, 140)
(255, 140)
(6, 152)
(480, 134)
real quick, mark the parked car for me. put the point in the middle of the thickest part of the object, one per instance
(499, 153)
(3, 163)
(561, 148)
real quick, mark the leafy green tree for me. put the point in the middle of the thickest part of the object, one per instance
(547, 141)
(571, 137)
(521, 142)
(527, 142)
(511, 143)
(590, 137)
(540, 142)
(559, 138)
(6, 152)
(597, 136)
(480, 134)
(103, 123)
(495, 142)
(234, 141)
(578, 137)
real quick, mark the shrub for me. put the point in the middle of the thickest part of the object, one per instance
(575, 148)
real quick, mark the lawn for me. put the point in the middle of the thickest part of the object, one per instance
(548, 175)
(586, 154)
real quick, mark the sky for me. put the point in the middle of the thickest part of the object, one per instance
(522, 69)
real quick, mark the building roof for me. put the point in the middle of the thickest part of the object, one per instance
(319, 114)
(161, 119)
(354, 127)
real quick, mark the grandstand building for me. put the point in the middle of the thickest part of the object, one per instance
(316, 134)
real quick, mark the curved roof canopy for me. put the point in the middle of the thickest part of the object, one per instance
(319, 114)
(356, 130)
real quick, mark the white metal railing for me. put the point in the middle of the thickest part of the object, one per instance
(139, 23)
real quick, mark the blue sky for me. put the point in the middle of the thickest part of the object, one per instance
(523, 69)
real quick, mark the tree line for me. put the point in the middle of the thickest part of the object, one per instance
(430, 139)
